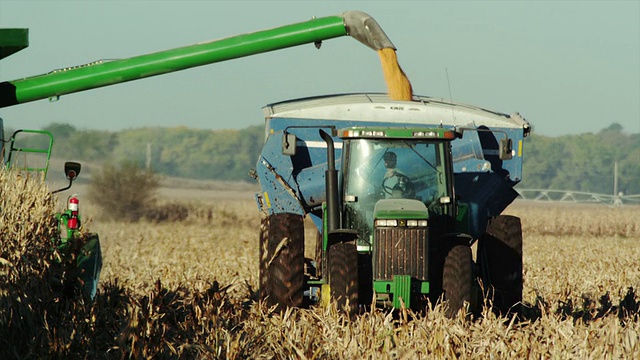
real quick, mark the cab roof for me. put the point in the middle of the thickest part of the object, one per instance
(377, 107)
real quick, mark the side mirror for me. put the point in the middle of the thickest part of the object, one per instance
(289, 144)
(505, 149)
(72, 170)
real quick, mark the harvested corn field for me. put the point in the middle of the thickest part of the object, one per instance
(188, 289)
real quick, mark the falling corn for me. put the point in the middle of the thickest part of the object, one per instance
(398, 85)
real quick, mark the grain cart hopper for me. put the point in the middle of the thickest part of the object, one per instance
(379, 242)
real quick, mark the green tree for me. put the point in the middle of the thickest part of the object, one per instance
(123, 192)
(583, 162)
(60, 130)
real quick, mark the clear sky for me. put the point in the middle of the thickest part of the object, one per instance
(566, 66)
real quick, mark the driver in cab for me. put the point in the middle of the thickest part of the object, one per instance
(395, 184)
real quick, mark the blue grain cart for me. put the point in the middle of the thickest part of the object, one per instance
(382, 241)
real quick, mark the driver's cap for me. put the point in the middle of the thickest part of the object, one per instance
(389, 156)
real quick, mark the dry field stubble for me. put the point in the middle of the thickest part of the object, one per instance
(581, 266)
(194, 252)
(579, 253)
(187, 290)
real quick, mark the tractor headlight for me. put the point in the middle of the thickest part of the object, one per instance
(401, 223)
(386, 222)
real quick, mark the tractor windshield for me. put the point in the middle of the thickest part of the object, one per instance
(382, 168)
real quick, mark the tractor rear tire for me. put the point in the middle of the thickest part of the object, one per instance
(457, 279)
(343, 277)
(500, 258)
(282, 260)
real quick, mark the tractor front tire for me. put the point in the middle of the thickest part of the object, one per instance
(500, 258)
(457, 279)
(282, 260)
(343, 277)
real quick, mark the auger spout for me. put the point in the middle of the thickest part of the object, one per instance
(365, 29)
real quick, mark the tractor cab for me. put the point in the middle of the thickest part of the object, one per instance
(397, 191)
(395, 178)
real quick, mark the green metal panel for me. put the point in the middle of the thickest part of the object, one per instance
(424, 287)
(12, 41)
(402, 286)
(397, 133)
(402, 291)
(100, 74)
(383, 287)
(462, 218)
(400, 209)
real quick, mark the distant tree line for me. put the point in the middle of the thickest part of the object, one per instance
(583, 162)
(179, 151)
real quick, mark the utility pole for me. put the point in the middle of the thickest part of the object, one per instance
(617, 201)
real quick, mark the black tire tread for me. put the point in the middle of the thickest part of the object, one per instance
(501, 256)
(343, 276)
(282, 265)
(457, 278)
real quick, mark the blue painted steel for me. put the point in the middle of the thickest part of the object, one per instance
(487, 194)
(275, 172)
(312, 185)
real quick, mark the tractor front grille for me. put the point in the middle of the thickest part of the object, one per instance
(400, 251)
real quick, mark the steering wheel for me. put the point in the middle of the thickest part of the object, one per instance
(386, 189)
(403, 184)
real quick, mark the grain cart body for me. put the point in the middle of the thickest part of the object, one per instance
(483, 181)
(462, 179)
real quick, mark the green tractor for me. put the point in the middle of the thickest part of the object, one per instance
(398, 238)
(29, 151)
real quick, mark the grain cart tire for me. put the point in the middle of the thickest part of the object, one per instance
(500, 258)
(457, 279)
(343, 276)
(282, 260)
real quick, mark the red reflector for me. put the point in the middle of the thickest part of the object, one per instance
(72, 223)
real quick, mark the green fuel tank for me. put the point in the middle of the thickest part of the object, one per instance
(357, 24)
